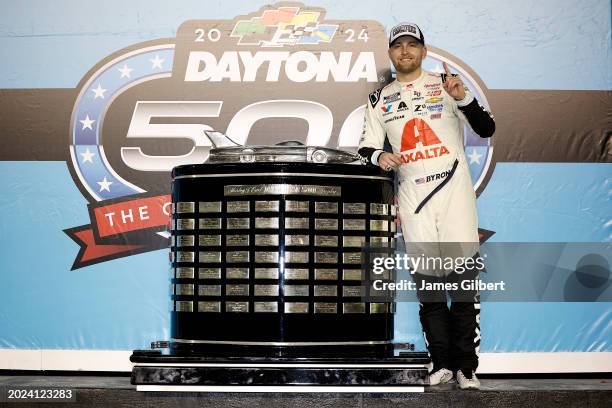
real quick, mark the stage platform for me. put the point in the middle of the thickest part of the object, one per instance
(115, 390)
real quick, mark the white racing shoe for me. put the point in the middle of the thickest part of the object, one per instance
(467, 383)
(441, 376)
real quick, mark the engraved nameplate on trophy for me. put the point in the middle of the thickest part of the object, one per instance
(183, 256)
(296, 307)
(326, 257)
(326, 208)
(379, 308)
(209, 307)
(209, 223)
(238, 206)
(209, 273)
(237, 256)
(266, 240)
(266, 307)
(185, 224)
(266, 257)
(209, 206)
(326, 241)
(379, 225)
(325, 290)
(353, 291)
(184, 273)
(184, 289)
(296, 257)
(325, 307)
(379, 209)
(354, 225)
(237, 273)
(352, 274)
(266, 273)
(326, 274)
(183, 306)
(296, 223)
(238, 223)
(353, 308)
(326, 224)
(297, 240)
(354, 208)
(209, 240)
(296, 206)
(237, 240)
(266, 222)
(349, 241)
(184, 240)
(266, 290)
(237, 290)
(263, 206)
(296, 290)
(351, 257)
(296, 274)
(210, 257)
(185, 207)
(237, 307)
(209, 290)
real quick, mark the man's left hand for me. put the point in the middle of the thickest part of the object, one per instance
(453, 84)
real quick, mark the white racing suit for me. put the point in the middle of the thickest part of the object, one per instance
(437, 203)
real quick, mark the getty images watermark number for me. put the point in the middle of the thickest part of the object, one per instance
(29, 394)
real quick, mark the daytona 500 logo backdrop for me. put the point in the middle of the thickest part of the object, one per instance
(283, 72)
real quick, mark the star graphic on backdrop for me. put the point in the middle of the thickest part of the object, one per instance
(474, 157)
(157, 62)
(99, 92)
(87, 123)
(87, 155)
(104, 185)
(125, 71)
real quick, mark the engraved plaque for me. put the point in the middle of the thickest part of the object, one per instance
(281, 189)
(185, 256)
(209, 307)
(182, 208)
(325, 307)
(326, 257)
(237, 290)
(266, 240)
(326, 224)
(237, 240)
(172, 257)
(209, 240)
(393, 227)
(184, 289)
(394, 210)
(183, 306)
(237, 256)
(354, 225)
(296, 290)
(210, 257)
(379, 308)
(172, 239)
(266, 307)
(351, 257)
(353, 291)
(353, 308)
(237, 307)
(354, 208)
(266, 290)
(266, 206)
(210, 223)
(384, 275)
(379, 225)
(266, 257)
(379, 209)
(266, 222)
(296, 257)
(237, 273)
(353, 241)
(185, 224)
(296, 223)
(210, 206)
(326, 274)
(184, 273)
(209, 290)
(378, 240)
(296, 307)
(326, 208)
(238, 223)
(297, 240)
(325, 290)
(172, 225)
(238, 206)
(296, 206)
(209, 273)
(266, 273)
(326, 241)
(296, 273)
(352, 274)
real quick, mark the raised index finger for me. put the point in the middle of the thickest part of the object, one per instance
(446, 69)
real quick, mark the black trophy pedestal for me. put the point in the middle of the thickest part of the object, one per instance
(156, 371)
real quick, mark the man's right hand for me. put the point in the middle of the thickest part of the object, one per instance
(388, 161)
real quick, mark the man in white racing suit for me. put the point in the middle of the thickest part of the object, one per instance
(422, 115)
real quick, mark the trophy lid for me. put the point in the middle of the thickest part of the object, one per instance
(227, 151)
